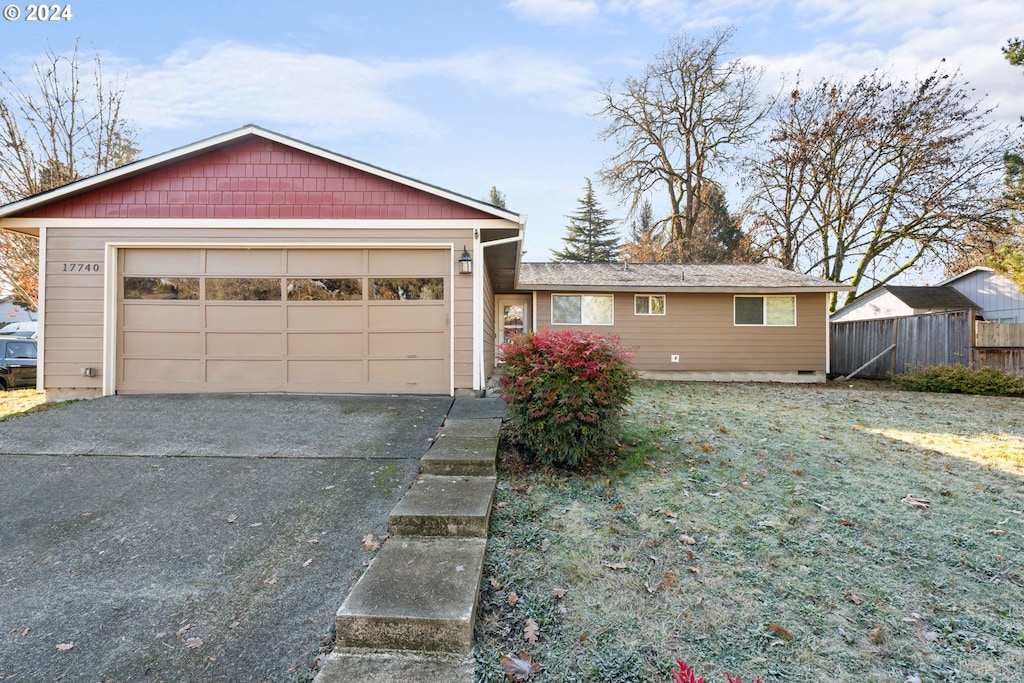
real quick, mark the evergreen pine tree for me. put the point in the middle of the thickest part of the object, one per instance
(590, 237)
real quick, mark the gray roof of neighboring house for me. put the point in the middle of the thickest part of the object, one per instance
(943, 298)
(708, 277)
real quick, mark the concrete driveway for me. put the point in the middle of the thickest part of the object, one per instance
(193, 538)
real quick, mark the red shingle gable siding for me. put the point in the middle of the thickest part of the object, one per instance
(256, 179)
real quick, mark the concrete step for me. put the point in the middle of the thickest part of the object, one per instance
(467, 446)
(444, 506)
(394, 667)
(418, 594)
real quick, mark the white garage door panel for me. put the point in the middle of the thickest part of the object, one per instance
(358, 345)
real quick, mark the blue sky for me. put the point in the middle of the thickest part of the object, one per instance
(470, 94)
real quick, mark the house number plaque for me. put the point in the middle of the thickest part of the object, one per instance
(80, 268)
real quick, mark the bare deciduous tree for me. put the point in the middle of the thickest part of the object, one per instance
(679, 125)
(53, 132)
(860, 181)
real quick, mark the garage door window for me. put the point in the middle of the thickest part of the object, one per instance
(243, 288)
(171, 288)
(407, 289)
(325, 289)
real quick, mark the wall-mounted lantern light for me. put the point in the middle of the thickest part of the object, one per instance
(465, 262)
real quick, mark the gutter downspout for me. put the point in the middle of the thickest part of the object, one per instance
(478, 302)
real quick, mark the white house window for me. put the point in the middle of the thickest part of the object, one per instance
(582, 309)
(765, 310)
(649, 304)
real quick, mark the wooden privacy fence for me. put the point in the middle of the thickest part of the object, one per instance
(883, 347)
(916, 340)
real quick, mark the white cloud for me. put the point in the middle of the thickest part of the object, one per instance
(333, 97)
(237, 83)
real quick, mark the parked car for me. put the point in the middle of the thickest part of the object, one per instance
(17, 363)
(22, 329)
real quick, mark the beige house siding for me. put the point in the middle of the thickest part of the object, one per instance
(699, 329)
(76, 308)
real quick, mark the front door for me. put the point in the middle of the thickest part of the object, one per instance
(513, 318)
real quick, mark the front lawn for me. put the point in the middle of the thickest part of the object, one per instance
(20, 402)
(797, 533)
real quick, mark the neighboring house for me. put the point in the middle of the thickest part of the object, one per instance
(992, 296)
(892, 301)
(996, 296)
(253, 262)
(700, 321)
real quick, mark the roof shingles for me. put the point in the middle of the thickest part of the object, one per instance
(699, 276)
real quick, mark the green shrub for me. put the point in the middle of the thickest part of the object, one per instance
(959, 379)
(566, 391)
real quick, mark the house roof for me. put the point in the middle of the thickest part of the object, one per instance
(702, 277)
(930, 298)
(176, 155)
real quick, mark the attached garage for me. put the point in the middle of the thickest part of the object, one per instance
(368, 320)
(253, 262)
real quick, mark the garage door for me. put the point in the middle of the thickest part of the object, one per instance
(297, 320)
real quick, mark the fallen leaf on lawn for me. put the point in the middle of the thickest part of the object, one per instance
(519, 668)
(693, 569)
(997, 532)
(270, 582)
(183, 630)
(666, 512)
(846, 522)
(668, 579)
(369, 544)
(778, 630)
(531, 630)
(494, 583)
(544, 545)
(853, 597)
(64, 647)
(614, 565)
(26, 631)
(513, 598)
(194, 643)
(307, 562)
(688, 540)
(876, 634)
(915, 502)
(232, 518)
(929, 636)
(558, 593)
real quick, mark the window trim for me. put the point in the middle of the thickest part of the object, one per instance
(581, 297)
(764, 309)
(664, 304)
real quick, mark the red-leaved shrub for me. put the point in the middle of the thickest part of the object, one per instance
(566, 391)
